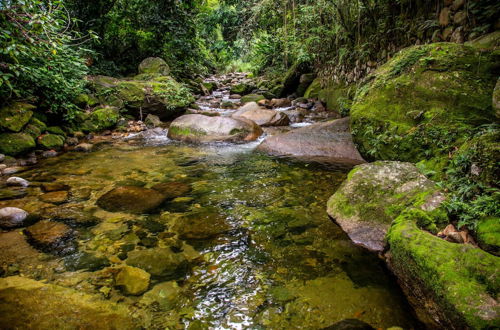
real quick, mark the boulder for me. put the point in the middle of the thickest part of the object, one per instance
(84, 147)
(280, 103)
(252, 98)
(15, 116)
(49, 235)
(55, 197)
(50, 141)
(17, 181)
(328, 143)
(30, 304)
(488, 235)
(12, 217)
(374, 194)
(13, 144)
(133, 281)
(131, 199)
(200, 128)
(261, 116)
(152, 121)
(154, 65)
(428, 93)
(241, 89)
(100, 119)
(292, 77)
(159, 262)
(71, 214)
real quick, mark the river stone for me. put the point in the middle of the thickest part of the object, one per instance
(159, 262)
(329, 142)
(71, 214)
(171, 190)
(130, 199)
(15, 193)
(49, 235)
(133, 281)
(165, 295)
(55, 197)
(17, 181)
(202, 224)
(12, 217)
(200, 128)
(84, 147)
(51, 187)
(262, 116)
(375, 194)
(30, 304)
(86, 261)
(15, 250)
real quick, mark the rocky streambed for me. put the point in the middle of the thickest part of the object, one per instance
(148, 232)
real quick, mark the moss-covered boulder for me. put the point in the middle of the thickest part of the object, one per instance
(86, 100)
(291, 81)
(241, 89)
(375, 194)
(14, 144)
(154, 65)
(488, 234)
(209, 86)
(56, 130)
(13, 117)
(252, 98)
(100, 119)
(452, 286)
(424, 102)
(30, 304)
(312, 92)
(50, 141)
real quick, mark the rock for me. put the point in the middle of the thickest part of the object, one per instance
(159, 262)
(12, 217)
(71, 214)
(171, 190)
(131, 199)
(13, 117)
(152, 121)
(16, 251)
(165, 295)
(201, 224)
(444, 16)
(26, 303)
(17, 181)
(49, 154)
(296, 115)
(49, 235)
(6, 194)
(460, 17)
(375, 194)
(241, 89)
(350, 324)
(2, 157)
(199, 128)
(490, 41)
(235, 96)
(72, 141)
(14, 144)
(85, 261)
(328, 143)
(457, 4)
(133, 281)
(55, 197)
(384, 108)
(154, 65)
(50, 141)
(451, 286)
(280, 103)
(291, 80)
(84, 147)
(13, 170)
(100, 119)
(50, 187)
(458, 35)
(261, 116)
(488, 235)
(252, 98)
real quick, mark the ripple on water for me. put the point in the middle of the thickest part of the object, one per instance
(275, 261)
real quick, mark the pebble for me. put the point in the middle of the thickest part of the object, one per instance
(11, 217)
(17, 181)
(12, 170)
(84, 147)
(49, 153)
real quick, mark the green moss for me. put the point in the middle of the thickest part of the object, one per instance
(14, 144)
(14, 116)
(488, 234)
(314, 89)
(184, 131)
(101, 119)
(56, 130)
(210, 86)
(241, 89)
(463, 280)
(154, 65)
(86, 100)
(131, 92)
(423, 103)
(252, 98)
(50, 141)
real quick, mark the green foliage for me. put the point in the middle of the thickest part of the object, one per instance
(40, 58)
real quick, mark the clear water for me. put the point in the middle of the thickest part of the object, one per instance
(279, 262)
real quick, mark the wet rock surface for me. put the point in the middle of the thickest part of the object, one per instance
(12, 217)
(131, 199)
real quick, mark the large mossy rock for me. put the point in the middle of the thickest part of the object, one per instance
(201, 129)
(145, 94)
(154, 65)
(51, 141)
(374, 194)
(291, 81)
(241, 89)
(453, 285)
(100, 119)
(29, 304)
(14, 144)
(329, 143)
(424, 102)
(13, 117)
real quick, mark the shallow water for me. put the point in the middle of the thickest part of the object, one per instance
(273, 260)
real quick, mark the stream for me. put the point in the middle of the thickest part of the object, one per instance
(258, 249)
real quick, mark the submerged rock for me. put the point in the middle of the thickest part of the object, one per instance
(29, 304)
(51, 187)
(172, 190)
(200, 128)
(55, 197)
(49, 235)
(262, 116)
(86, 261)
(12, 217)
(166, 295)
(159, 262)
(71, 214)
(202, 224)
(131, 199)
(328, 142)
(132, 280)
(375, 194)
